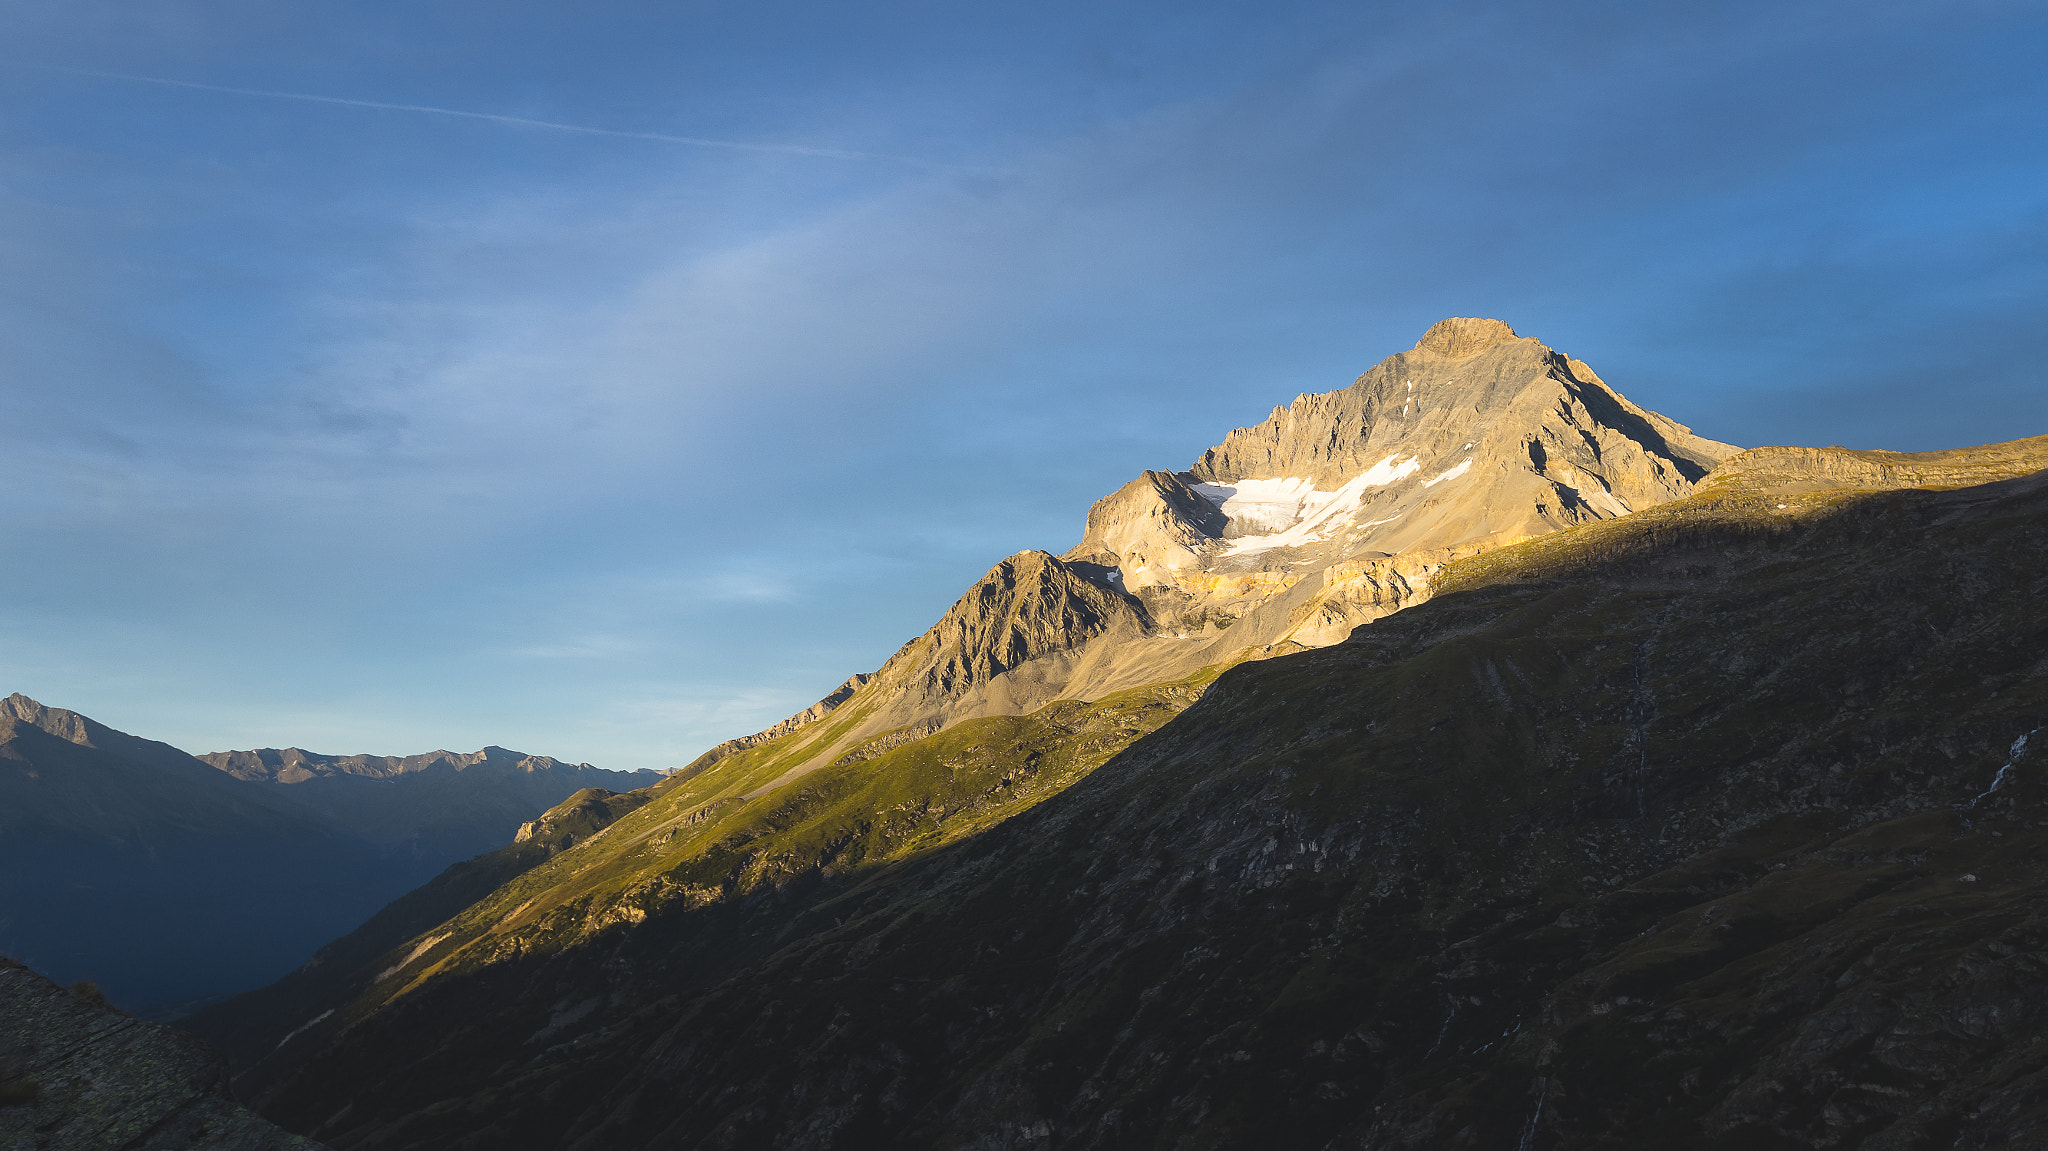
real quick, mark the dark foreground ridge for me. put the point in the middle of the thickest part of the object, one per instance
(1719, 825)
(76, 1075)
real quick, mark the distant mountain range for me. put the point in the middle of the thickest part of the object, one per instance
(440, 805)
(167, 878)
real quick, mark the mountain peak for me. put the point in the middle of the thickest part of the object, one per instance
(1462, 337)
(1334, 511)
(65, 725)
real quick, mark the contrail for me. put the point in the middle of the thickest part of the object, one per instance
(492, 117)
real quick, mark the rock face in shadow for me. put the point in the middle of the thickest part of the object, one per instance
(1717, 825)
(76, 1075)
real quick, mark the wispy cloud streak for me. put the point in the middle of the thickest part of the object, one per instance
(491, 117)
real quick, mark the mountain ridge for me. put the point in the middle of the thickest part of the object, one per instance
(293, 765)
(107, 837)
(1500, 866)
(1245, 555)
(1512, 813)
(76, 1075)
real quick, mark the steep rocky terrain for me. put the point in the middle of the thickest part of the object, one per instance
(76, 1075)
(1717, 824)
(1333, 512)
(692, 841)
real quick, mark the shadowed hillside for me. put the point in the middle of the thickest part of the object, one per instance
(77, 1075)
(167, 880)
(1715, 825)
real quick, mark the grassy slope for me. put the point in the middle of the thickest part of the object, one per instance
(1652, 832)
(689, 844)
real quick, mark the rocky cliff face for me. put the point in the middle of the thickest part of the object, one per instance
(1799, 471)
(1028, 606)
(1332, 513)
(1474, 434)
(76, 1075)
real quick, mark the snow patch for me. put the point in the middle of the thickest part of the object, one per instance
(1272, 505)
(1292, 510)
(1464, 465)
(425, 945)
(296, 1031)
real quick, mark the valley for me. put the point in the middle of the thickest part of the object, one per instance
(170, 880)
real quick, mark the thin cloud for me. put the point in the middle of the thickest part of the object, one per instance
(491, 117)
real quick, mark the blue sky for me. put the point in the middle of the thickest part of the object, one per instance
(373, 428)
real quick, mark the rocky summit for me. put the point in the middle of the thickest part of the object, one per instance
(1333, 512)
(1635, 792)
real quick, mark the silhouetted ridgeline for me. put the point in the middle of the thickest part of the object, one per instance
(128, 862)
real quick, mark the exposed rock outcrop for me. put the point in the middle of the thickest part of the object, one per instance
(578, 817)
(1329, 514)
(811, 714)
(1028, 606)
(1152, 530)
(1795, 469)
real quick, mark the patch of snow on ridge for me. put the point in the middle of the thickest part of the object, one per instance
(296, 1031)
(1317, 509)
(424, 946)
(1463, 467)
(1272, 505)
(1385, 472)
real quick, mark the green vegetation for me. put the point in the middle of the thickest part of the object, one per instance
(599, 862)
(721, 836)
